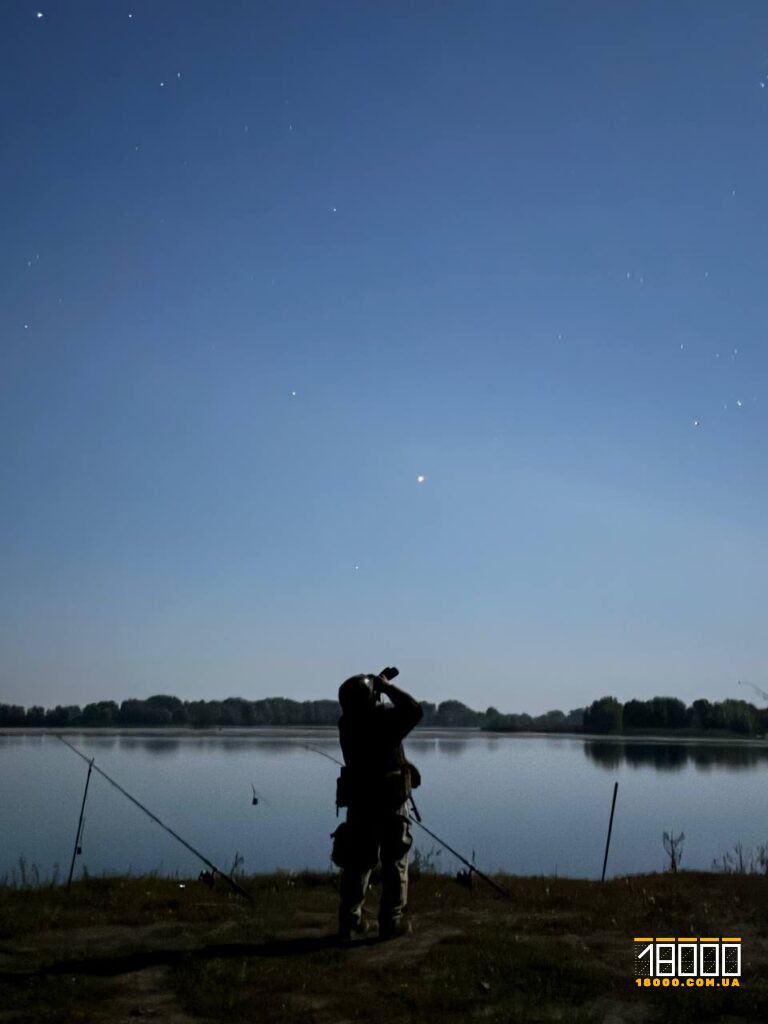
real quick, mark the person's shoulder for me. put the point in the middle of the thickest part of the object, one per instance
(386, 717)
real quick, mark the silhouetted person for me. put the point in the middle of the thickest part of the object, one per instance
(374, 786)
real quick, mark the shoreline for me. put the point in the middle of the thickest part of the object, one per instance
(223, 732)
(427, 732)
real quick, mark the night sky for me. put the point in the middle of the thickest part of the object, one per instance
(343, 334)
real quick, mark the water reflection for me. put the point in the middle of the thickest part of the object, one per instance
(98, 742)
(131, 743)
(451, 748)
(420, 746)
(672, 757)
(277, 747)
(161, 747)
(234, 744)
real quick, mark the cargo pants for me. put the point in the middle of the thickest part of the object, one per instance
(371, 837)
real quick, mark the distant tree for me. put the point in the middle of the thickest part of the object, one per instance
(575, 718)
(199, 714)
(550, 721)
(173, 705)
(700, 714)
(637, 714)
(603, 716)
(495, 721)
(278, 711)
(62, 716)
(740, 716)
(454, 713)
(102, 713)
(523, 722)
(320, 712)
(230, 713)
(667, 713)
(239, 711)
(514, 723)
(35, 716)
(12, 715)
(429, 711)
(143, 713)
(164, 700)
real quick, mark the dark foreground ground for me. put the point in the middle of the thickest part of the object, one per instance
(128, 949)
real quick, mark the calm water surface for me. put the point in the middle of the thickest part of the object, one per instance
(523, 804)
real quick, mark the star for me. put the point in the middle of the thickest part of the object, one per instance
(420, 479)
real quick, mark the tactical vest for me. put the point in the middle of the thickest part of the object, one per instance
(377, 790)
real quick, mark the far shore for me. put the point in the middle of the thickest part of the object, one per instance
(427, 732)
(235, 732)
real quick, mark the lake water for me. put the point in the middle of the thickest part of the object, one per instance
(523, 804)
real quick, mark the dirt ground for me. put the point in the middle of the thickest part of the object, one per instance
(121, 950)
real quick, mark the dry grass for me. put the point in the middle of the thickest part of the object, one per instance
(560, 950)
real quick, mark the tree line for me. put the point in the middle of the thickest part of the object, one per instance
(609, 715)
(606, 715)
(165, 710)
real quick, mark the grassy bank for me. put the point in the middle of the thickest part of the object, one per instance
(121, 949)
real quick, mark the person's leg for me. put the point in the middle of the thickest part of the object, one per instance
(357, 855)
(394, 875)
(354, 884)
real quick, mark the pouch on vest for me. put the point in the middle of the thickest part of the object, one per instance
(391, 789)
(355, 846)
(394, 788)
(397, 839)
(344, 788)
(341, 849)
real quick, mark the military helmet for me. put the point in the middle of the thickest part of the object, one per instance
(356, 693)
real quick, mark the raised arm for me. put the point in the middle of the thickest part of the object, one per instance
(409, 711)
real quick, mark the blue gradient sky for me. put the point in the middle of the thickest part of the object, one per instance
(518, 249)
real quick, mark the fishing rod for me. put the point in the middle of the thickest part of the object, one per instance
(227, 878)
(420, 823)
(80, 825)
